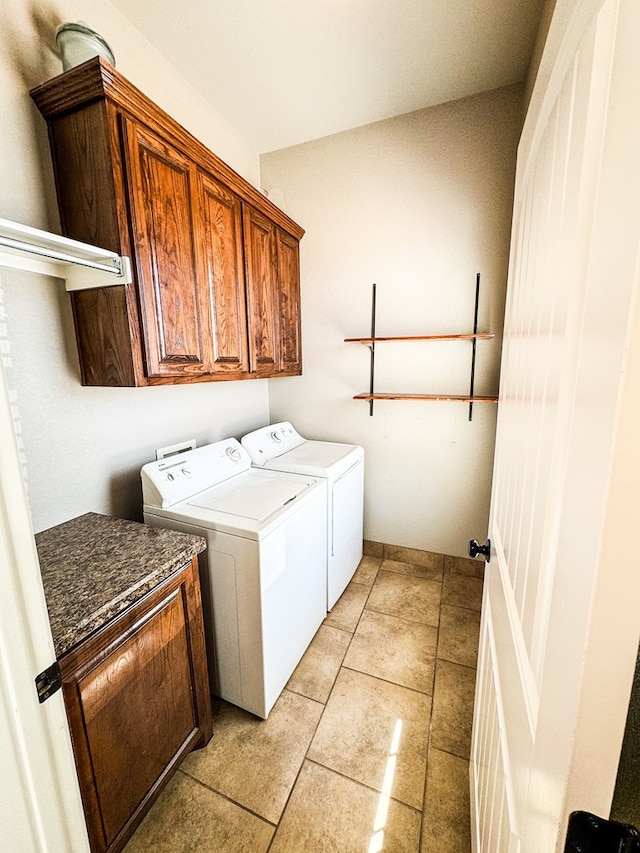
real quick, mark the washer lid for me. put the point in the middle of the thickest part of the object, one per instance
(318, 459)
(251, 495)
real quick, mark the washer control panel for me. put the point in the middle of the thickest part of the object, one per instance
(183, 475)
(271, 441)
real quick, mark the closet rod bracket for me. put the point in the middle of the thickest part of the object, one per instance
(81, 265)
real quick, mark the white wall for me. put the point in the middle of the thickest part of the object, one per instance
(417, 204)
(84, 446)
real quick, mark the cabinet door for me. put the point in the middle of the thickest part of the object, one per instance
(260, 261)
(288, 259)
(136, 695)
(222, 267)
(174, 303)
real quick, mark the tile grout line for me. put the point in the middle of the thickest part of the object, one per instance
(324, 704)
(447, 752)
(424, 817)
(362, 784)
(306, 755)
(226, 797)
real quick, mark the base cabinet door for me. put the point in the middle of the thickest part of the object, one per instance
(137, 700)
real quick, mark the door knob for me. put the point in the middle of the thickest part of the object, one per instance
(485, 550)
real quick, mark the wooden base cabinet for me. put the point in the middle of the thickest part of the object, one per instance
(216, 293)
(137, 699)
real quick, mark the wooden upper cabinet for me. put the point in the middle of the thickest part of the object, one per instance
(273, 293)
(174, 299)
(216, 274)
(222, 269)
(288, 263)
(260, 255)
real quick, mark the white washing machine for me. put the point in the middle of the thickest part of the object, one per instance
(280, 447)
(263, 574)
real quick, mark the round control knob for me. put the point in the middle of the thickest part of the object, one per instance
(186, 472)
(275, 436)
(171, 475)
(234, 454)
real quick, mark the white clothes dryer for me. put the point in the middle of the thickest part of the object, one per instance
(280, 447)
(263, 574)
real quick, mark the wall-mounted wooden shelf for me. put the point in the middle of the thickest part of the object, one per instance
(447, 398)
(480, 336)
(373, 339)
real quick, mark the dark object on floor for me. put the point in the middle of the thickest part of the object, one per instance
(588, 833)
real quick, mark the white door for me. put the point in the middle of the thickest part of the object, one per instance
(40, 808)
(561, 610)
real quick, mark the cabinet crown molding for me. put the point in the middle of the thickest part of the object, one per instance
(97, 80)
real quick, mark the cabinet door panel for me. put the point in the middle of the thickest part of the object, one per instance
(222, 267)
(260, 260)
(173, 299)
(289, 303)
(138, 711)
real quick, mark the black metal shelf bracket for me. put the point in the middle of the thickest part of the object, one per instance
(372, 347)
(473, 346)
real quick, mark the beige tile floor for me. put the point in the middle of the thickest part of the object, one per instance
(367, 748)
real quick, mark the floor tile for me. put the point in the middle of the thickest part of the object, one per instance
(347, 609)
(432, 573)
(318, 668)
(453, 696)
(414, 555)
(367, 571)
(411, 598)
(462, 590)
(189, 818)
(395, 650)
(464, 566)
(405, 627)
(370, 725)
(330, 814)
(446, 817)
(255, 762)
(458, 635)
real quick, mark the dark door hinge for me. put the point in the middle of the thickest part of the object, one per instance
(48, 682)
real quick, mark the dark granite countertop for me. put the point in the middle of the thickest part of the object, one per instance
(93, 567)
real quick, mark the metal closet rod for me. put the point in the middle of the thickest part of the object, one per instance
(33, 241)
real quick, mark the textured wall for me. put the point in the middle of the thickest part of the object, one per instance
(84, 446)
(417, 204)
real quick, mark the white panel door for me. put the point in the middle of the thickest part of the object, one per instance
(40, 806)
(559, 629)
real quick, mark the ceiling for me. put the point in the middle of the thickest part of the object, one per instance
(284, 72)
